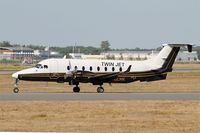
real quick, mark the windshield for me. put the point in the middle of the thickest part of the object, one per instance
(38, 66)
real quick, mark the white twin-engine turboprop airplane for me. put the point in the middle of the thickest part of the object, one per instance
(97, 72)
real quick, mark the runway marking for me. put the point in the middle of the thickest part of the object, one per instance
(97, 96)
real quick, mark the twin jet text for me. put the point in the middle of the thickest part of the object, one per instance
(117, 64)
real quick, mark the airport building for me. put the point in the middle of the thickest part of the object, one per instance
(130, 55)
(26, 55)
(183, 56)
(29, 55)
(83, 56)
(45, 54)
(16, 53)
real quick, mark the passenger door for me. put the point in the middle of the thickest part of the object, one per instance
(53, 69)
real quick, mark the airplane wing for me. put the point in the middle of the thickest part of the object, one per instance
(99, 77)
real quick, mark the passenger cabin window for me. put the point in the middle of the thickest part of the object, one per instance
(98, 68)
(120, 69)
(75, 67)
(83, 68)
(45, 66)
(68, 67)
(105, 69)
(113, 69)
(90, 68)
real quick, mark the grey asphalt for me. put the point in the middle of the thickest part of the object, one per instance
(96, 96)
(2, 72)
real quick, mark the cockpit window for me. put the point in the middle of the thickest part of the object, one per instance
(38, 66)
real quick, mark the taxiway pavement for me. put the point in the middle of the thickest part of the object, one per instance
(97, 96)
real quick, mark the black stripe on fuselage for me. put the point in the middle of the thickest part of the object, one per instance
(167, 66)
(41, 76)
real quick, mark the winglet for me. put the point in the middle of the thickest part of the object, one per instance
(129, 68)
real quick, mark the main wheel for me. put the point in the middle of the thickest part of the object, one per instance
(15, 90)
(100, 89)
(76, 89)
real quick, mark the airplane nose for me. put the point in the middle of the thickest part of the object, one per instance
(15, 75)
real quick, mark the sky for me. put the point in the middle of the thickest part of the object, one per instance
(124, 23)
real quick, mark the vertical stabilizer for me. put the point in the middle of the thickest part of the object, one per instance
(166, 57)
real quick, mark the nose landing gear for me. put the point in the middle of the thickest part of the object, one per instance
(16, 89)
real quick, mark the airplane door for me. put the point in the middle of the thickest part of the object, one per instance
(53, 66)
(53, 69)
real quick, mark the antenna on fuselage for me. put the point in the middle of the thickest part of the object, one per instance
(48, 50)
(74, 48)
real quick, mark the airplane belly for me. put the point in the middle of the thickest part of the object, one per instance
(58, 77)
(123, 80)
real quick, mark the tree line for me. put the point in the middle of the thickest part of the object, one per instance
(104, 47)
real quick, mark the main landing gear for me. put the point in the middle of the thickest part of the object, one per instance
(100, 89)
(16, 89)
(76, 89)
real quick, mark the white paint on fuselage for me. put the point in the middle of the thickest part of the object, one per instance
(60, 66)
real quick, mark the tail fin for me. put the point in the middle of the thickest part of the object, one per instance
(166, 57)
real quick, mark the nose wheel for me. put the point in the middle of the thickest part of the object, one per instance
(100, 89)
(16, 89)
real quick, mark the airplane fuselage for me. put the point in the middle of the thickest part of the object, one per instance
(62, 70)
(97, 72)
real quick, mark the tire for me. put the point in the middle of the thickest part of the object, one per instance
(76, 89)
(15, 90)
(100, 89)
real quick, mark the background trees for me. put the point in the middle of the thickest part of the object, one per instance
(105, 45)
(5, 44)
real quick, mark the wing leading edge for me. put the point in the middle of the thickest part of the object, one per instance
(100, 77)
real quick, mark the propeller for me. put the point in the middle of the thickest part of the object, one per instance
(71, 73)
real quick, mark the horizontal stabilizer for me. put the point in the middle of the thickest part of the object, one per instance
(166, 57)
(189, 46)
